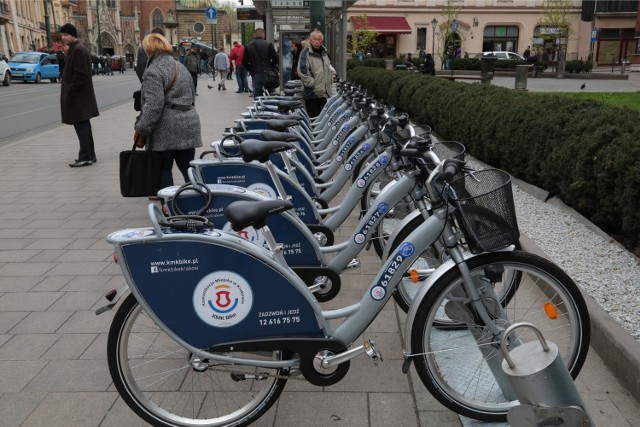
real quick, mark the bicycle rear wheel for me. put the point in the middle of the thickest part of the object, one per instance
(159, 380)
(454, 363)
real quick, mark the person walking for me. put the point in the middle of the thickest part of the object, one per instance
(168, 121)
(221, 64)
(258, 55)
(316, 73)
(192, 63)
(237, 52)
(77, 99)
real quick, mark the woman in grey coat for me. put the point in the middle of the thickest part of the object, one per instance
(168, 119)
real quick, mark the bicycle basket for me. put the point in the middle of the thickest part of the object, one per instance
(449, 150)
(485, 210)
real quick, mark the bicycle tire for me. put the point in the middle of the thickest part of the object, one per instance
(450, 363)
(431, 259)
(155, 378)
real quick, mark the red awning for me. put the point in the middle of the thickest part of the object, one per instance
(384, 24)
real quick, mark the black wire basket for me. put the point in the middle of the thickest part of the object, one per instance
(449, 150)
(485, 210)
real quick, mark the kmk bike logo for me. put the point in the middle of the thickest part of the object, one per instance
(382, 161)
(354, 158)
(222, 299)
(380, 289)
(381, 210)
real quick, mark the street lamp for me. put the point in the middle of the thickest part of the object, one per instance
(434, 24)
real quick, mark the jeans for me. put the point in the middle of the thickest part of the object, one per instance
(182, 159)
(258, 84)
(85, 136)
(242, 78)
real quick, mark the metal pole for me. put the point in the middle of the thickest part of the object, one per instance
(47, 26)
(98, 24)
(433, 44)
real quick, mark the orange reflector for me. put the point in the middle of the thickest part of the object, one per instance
(115, 258)
(550, 310)
(413, 274)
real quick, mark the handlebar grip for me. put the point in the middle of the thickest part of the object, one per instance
(450, 169)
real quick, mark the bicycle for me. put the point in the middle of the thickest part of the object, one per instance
(237, 341)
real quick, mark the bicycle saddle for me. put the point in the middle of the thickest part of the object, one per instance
(255, 149)
(274, 135)
(281, 125)
(244, 213)
(284, 105)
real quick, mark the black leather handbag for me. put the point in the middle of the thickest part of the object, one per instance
(140, 172)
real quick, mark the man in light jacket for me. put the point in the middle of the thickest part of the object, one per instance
(316, 73)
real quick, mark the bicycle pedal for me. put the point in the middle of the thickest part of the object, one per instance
(371, 351)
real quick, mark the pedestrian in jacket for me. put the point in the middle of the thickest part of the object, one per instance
(237, 52)
(221, 64)
(168, 120)
(77, 99)
(192, 63)
(258, 55)
(316, 73)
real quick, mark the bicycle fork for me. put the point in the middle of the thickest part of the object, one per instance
(481, 319)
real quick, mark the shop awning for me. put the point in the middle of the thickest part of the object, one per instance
(384, 24)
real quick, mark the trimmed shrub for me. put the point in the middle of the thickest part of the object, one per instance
(583, 151)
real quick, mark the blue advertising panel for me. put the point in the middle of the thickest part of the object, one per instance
(209, 294)
(298, 249)
(256, 178)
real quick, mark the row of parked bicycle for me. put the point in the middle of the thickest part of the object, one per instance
(224, 294)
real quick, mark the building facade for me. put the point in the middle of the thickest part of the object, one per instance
(509, 25)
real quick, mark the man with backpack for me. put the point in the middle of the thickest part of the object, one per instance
(258, 56)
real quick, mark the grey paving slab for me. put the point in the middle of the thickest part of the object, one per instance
(16, 374)
(27, 346)
(31, 301)
(72, 375)
(16, 407)
(70, 409)
(41, 322)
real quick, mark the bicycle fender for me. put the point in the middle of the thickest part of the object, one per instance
(440, 271)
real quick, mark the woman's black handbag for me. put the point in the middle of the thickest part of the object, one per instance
(140, 172)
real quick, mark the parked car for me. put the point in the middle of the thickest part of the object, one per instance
(5, 73)
(502, 55)
(115, 63)
(34, 66)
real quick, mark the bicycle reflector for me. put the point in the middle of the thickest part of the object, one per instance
(413, 275)
(550, 310)
(115, 258)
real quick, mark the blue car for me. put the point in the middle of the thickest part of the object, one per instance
(34, 66)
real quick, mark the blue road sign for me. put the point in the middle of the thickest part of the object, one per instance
(212, 15)
(594, 35)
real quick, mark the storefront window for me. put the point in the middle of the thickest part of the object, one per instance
(421, 40)
(501, 38)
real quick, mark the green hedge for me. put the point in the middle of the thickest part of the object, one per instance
(583, 151)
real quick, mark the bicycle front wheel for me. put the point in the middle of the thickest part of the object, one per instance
(455, 363)
(163, 383)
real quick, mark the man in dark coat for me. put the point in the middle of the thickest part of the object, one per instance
(77, 98)
(257, 55)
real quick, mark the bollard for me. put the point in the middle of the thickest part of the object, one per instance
(522, 72)
(388, 64)
(623, 66)
(542, 383)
